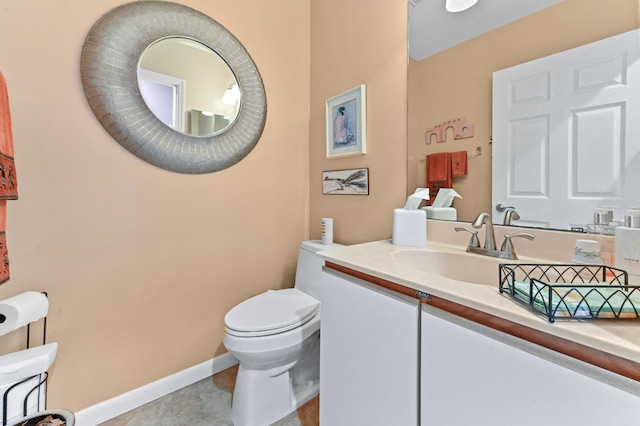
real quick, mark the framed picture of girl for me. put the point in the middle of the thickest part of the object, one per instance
(346, 123)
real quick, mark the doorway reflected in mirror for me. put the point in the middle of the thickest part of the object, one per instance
(188, 86)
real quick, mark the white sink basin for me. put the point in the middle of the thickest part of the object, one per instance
(459, 266)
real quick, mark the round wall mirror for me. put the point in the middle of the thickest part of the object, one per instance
(212, 128)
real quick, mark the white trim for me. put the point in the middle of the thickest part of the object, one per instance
(106, 410)
(178, 94)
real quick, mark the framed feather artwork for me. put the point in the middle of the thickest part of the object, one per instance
(346, 182)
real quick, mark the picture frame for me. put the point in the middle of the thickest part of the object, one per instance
(346, 182)
(346, 123)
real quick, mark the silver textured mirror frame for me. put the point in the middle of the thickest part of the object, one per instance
(109, 65)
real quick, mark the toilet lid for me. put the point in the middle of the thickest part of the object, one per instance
(272, 312)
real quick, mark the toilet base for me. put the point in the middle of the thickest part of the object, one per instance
(261, 397)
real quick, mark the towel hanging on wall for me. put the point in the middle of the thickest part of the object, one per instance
(8, 179)
(459, 164)
(438, 173)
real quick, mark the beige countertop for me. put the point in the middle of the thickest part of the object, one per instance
(380, 259)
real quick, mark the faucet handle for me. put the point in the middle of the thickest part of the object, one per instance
(473, 242)
(507, 246)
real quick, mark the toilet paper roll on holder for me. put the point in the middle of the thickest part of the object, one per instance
(3, 318)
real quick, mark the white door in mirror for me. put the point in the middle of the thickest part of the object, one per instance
(565, 133)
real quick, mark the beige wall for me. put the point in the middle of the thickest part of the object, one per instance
(457, 83)
(141, 264)
(352, 43)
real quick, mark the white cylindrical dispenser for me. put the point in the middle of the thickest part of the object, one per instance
(628, 246)
(327, 230)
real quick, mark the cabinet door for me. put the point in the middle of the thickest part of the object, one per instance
(469, 378)
(368, 354)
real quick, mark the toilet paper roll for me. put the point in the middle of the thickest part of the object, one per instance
(20, 310)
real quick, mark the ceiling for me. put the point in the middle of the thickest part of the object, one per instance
(432, 29)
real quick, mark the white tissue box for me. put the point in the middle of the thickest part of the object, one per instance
(409, 228)
(442, 213)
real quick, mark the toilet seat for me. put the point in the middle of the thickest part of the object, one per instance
(271, 313)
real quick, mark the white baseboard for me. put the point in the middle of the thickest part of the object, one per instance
(105, 410)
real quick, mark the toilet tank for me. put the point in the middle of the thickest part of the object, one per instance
(310, 265)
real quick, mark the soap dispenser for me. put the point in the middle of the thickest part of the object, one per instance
(628, 246)
(602, 230)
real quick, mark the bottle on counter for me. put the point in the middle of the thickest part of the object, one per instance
(602, 230)
(628, 246)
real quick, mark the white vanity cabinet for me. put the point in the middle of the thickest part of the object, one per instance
(388, 359)
(471, 374)
(403, 345)
(369, 354)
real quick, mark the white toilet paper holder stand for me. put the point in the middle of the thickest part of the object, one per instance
(40, 378)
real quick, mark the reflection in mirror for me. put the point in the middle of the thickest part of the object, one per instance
(187, 86)
(565, 134)
(457, 82)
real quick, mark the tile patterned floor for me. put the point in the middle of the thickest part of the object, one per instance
(205, 403)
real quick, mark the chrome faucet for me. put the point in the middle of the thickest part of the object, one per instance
(509, 215)
(506, 250)
(489, 237)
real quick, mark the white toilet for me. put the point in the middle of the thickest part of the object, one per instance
(276, 337)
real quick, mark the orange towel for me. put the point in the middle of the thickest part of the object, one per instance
(438, 173)
(8, 180)
(459, 164)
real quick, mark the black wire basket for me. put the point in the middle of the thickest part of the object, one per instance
(572, 291)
